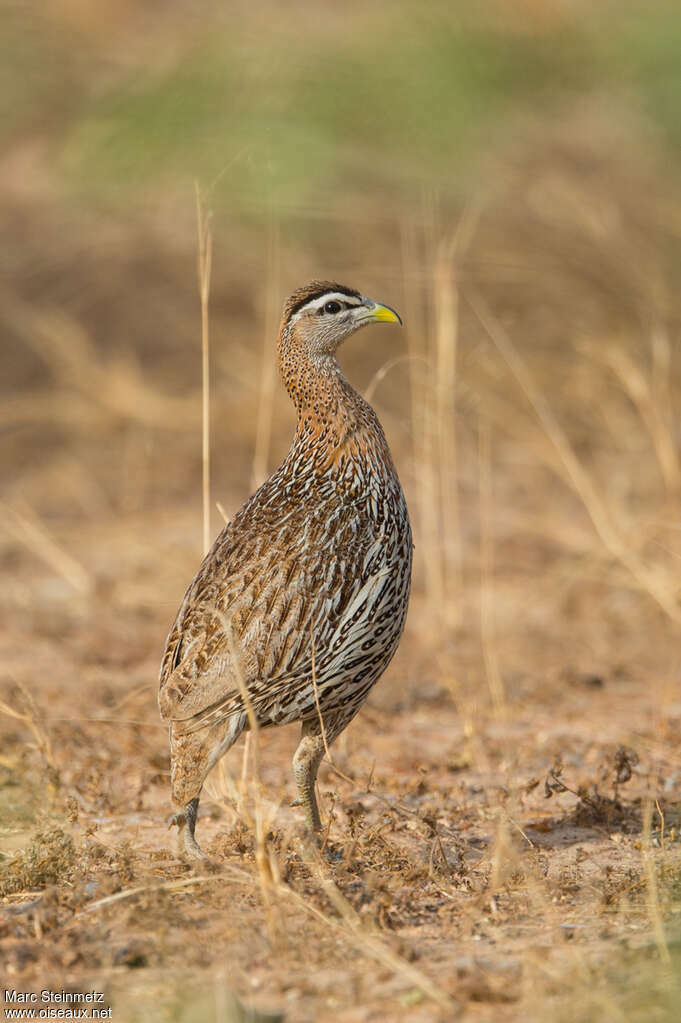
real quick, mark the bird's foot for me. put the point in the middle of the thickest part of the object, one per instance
(187, 846)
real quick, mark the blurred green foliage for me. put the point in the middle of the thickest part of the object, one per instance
(403, 95)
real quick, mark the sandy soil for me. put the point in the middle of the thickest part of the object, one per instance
(454, 886)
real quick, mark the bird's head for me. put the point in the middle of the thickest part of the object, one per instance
(322, 314)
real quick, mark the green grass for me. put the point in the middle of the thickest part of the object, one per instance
(316, 122)
(404, 98)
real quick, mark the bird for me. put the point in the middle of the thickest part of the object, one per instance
(301, 602)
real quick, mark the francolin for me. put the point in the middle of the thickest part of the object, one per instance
(299, 606)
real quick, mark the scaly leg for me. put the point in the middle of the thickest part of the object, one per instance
(191, 757)
(188, 847)
(309, 756)
(306, 763)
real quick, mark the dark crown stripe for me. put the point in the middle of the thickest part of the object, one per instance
(315, 290)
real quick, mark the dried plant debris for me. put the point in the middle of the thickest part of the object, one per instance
(48, 860)
(595, 807)
(624, 760)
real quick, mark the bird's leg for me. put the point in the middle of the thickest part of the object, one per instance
(186, 822)
(306, 763)
(311, 749)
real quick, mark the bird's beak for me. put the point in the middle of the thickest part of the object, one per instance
(377, 313)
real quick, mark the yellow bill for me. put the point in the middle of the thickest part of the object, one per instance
(383, 314)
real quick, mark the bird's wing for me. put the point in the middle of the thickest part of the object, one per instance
(251, 628)
(233, 632)
(248, 619)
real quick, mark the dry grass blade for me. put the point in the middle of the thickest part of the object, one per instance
(323, 731)
(487, 636)
(661, 377)
(446, 330)
(205, 262)
(231, 874)
(268, 869)
(661, 590)
(223, 513)
(382, 372)
(412, 316)
(31, 717)
(263, 436)
(117, 389)
(651, 411)
(25, 526)
(652, 894)
(349, 926)
(423, 421)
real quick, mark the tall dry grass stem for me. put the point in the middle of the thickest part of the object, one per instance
(661, 384)
(92, 390)
(423, 419)
(412, 316)
(662, 590)
(433, 354)
(268, 372)
(349, 926)
(649, 395)
(32, 717)
(446, 339)
(26, 528)
(652, 893)
(227, 874)
(487, 630)
(268, 868)
(205, 261)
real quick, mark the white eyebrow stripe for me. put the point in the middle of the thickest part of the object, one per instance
(315, 304)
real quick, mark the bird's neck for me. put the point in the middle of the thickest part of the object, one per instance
(332, 416)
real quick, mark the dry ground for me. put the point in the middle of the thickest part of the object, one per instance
(504, 813)
(455, 886)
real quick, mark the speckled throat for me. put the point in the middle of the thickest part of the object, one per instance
(332, 417)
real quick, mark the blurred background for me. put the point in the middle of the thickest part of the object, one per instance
(507, 176)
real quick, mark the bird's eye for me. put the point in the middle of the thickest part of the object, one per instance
(332, 307)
